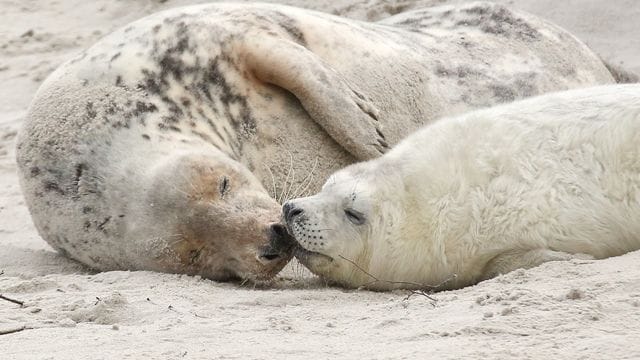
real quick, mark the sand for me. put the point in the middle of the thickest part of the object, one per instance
(567, 310)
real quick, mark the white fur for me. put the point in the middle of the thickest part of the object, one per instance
(549, 178)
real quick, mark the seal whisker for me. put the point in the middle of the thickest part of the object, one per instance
(166, 237)
(273, 182)
(286, 180)
(175, 187)
(289, 184)
(306, 181)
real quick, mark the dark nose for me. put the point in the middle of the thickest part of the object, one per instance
(280, 244)
(279, 238)
(290, 211)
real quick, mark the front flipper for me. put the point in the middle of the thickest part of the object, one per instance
(524, 259)
(336, 105)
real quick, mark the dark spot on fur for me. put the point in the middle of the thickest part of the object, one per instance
(151, 82)
(480, 10)
(91, 112)
(103, 224)
(143, 108)
(117, 55)
(80, 168)
(441, 71)
(289, 25)
(194, 255)
(458, 71)
(146, 137)
(213, 127)
(498, 20)
(202, 136)
(111, 108)
(173, 107)
(53, 186)
(164, 126)
(503, 93)
(62, 252)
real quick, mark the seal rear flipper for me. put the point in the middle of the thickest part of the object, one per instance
(337, 106)
(524, 259)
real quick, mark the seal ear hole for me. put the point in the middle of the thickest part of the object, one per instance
(355, 216)
(224, 186)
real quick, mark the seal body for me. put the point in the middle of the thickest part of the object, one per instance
(550, 178)
(154, 149)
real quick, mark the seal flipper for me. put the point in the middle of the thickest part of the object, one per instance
(524, 259)
(337, 106)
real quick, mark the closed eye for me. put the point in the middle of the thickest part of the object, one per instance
(355, 216)
(224, 186)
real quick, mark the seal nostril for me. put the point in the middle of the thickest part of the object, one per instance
(279, 230)
(290, 211)
(295, 212)
(270, 257)
(280, 243)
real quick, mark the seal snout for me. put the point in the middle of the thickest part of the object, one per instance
(280, 245)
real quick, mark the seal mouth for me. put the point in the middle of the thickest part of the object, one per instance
(303, 255)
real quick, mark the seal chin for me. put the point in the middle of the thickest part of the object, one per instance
(257, 278)
(313, 260)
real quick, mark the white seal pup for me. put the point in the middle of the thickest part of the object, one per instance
(152, 149)
(469, 197)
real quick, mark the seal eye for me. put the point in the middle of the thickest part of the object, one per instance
(224, 186)
(355, 216)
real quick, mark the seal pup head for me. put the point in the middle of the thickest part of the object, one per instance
(224, 224)
(344, 231)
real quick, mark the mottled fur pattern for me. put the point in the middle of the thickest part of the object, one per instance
(554, 177)
(255, 93)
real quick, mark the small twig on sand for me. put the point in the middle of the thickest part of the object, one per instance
(11, 331)
(199, 316)
(418, 292)
(21, 303)
(421, 289)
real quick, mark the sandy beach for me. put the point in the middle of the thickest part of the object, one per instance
(587, 309)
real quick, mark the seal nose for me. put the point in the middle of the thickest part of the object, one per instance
(279, 238)
(280, 244)
(290, 211)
